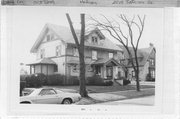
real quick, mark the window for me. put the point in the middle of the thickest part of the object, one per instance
(75, 52)
(152, 61)
(152, 73)
(94, 39)
(133, 73)
(110, 55)
(42, 53)
(47, 92)
(48, 37)
(94, 55)
(75, 67)
(55, 68)
(58, 50)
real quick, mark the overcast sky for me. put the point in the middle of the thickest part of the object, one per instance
(27, 23)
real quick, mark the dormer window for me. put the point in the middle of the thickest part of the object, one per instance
(94, 39)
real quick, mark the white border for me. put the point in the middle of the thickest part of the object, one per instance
(164, 101)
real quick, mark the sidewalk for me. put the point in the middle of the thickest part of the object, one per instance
(145, 101)
(114, 96)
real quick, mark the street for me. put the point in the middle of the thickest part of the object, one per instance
(148, 101)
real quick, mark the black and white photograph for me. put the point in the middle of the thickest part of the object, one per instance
(87, 59)
(92, 60)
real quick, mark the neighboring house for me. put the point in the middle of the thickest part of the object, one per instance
(146, 60)
(57, 53)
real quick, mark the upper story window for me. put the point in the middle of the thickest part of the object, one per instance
(58, 50)
(49, 37)
(152, 62)
(75, 52)
(42, 53)
(94, 39)
(94, 54)
(110, 55)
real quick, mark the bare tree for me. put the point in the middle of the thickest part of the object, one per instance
(115, 30)
(80, 47)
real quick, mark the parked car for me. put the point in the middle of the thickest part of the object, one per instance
(49, 96)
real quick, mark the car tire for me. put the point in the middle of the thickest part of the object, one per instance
(67, 101)
(25, 103)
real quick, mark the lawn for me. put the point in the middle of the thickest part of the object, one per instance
(104, 89)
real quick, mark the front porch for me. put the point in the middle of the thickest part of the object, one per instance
(45, 66)
(106, 68)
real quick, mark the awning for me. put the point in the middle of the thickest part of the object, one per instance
(43, 61)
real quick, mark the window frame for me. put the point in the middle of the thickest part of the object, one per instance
(94, 39)
(58, 50)
(110, 54)
(75, 51)
(94, 57)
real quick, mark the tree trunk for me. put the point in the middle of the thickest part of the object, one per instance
(82, 76)
(137, 80)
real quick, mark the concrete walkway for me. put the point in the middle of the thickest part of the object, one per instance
(115, 96)
(147, 101)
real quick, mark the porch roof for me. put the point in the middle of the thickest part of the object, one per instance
(105, 61)
(43, 61)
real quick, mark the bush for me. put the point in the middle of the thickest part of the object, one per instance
(98, 81)
(54, 79)
(95, 80)
(149, 78)
(108, 83)
(126, 82)
(121, 78)
(35, 80)
(73, 80)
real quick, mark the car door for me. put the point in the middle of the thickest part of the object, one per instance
(47, 96)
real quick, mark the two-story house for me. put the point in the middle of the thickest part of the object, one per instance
(56, 52)
(146, 60)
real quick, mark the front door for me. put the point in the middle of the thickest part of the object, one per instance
(109, 72)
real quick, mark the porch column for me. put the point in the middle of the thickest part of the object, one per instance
(34, 69)
(104, 67)
(47, 69)
(30, 69)
(41, 67)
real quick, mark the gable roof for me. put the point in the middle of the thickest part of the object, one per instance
(105, 61)
(142, 53)
(64, 34)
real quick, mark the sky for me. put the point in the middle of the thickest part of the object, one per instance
(27, 23)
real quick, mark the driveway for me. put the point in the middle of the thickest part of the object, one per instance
(147, 101)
